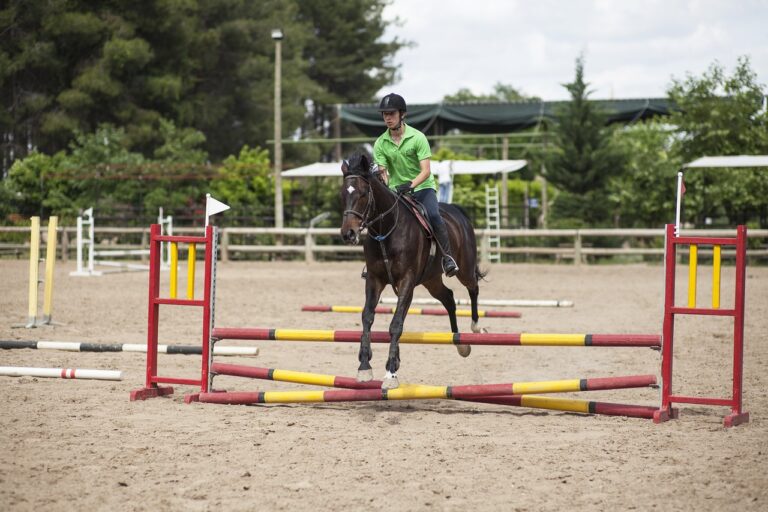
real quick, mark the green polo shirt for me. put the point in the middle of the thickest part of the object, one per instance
(402, 162)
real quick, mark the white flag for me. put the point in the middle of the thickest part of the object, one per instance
(213, 206)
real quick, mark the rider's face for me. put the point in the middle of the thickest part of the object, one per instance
(391, 119)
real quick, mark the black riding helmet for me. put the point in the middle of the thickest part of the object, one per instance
(392, 103)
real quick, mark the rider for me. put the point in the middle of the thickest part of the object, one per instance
(402, 154)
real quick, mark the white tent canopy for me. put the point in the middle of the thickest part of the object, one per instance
(714, 161)
(455, 166)
(730, 161)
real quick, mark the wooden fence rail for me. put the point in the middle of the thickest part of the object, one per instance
(577, 245)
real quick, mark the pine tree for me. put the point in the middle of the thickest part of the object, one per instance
(585, 158)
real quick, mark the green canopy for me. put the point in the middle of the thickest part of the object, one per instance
(496, 117)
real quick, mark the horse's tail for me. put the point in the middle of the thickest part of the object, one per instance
(479, 274)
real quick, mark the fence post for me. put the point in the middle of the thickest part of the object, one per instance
(577, 249)
(64, 245)
(144, 245)
(309, 256)
(485, 243)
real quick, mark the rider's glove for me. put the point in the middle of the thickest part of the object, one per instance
(404, 188)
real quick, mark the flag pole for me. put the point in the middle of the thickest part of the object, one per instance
(679, 202)
(212, 207)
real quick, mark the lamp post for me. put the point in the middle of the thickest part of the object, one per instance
(277, 36)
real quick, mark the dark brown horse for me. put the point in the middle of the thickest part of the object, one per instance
(397, 252)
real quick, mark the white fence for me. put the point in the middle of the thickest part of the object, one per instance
(577, 245)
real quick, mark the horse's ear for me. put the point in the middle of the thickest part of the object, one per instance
(344, 167)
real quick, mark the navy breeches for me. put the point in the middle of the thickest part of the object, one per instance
(428, 198)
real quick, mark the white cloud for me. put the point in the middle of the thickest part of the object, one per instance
(632, 48)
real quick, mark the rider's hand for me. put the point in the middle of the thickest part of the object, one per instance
(404, 188)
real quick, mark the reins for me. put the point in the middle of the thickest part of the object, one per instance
(367, 223)
(371, 207)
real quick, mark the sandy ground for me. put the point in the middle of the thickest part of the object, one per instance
(83, 445)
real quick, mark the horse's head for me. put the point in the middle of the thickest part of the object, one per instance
(356, 196)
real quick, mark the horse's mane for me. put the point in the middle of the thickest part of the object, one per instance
(359, 164)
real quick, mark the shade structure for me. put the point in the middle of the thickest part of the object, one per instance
(325, 169)
(729, 161)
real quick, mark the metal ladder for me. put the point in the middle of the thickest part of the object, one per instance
(492, 222)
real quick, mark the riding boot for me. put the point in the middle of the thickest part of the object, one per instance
(450, 268)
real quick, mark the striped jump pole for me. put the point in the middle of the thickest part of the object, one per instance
(519, 303)
(444, 338)
(571, 405)
(528, 401)
(62, 373)
(71, 346)
(387, 310)
(517, 394)
(466, 391)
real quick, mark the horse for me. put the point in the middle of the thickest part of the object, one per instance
(398, 252)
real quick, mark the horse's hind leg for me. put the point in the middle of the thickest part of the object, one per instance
(473, 288)
(473, 293)
(438, 290)
(373, 291)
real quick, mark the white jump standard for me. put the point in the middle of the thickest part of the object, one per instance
(87, 219)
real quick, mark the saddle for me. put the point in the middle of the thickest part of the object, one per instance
(418, 211)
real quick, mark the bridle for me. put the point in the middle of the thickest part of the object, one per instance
(370, 207)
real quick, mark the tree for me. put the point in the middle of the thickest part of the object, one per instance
(501, 93)
(585, 157)
(348, 58)
(68, 66)
(644, 195)
(722, 115)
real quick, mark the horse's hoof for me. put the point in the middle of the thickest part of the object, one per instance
(475, 327)
(390, 381)
(364, 375)
(464, 350)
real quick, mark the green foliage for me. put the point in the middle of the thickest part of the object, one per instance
(644, 195)
(100, 168)
(245, 180)
(349, 60)
(501, 93)
(69, 66)
(722, 115)
(180, 144)
(585, 157)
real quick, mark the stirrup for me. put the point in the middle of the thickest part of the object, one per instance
(447, 270)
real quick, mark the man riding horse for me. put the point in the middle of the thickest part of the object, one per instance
(402, 154)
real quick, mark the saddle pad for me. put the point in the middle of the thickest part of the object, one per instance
(417, 209)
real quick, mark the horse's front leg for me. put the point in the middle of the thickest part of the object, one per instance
(373, 291)
(395, 331)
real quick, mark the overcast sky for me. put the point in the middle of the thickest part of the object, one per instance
(632, 48)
